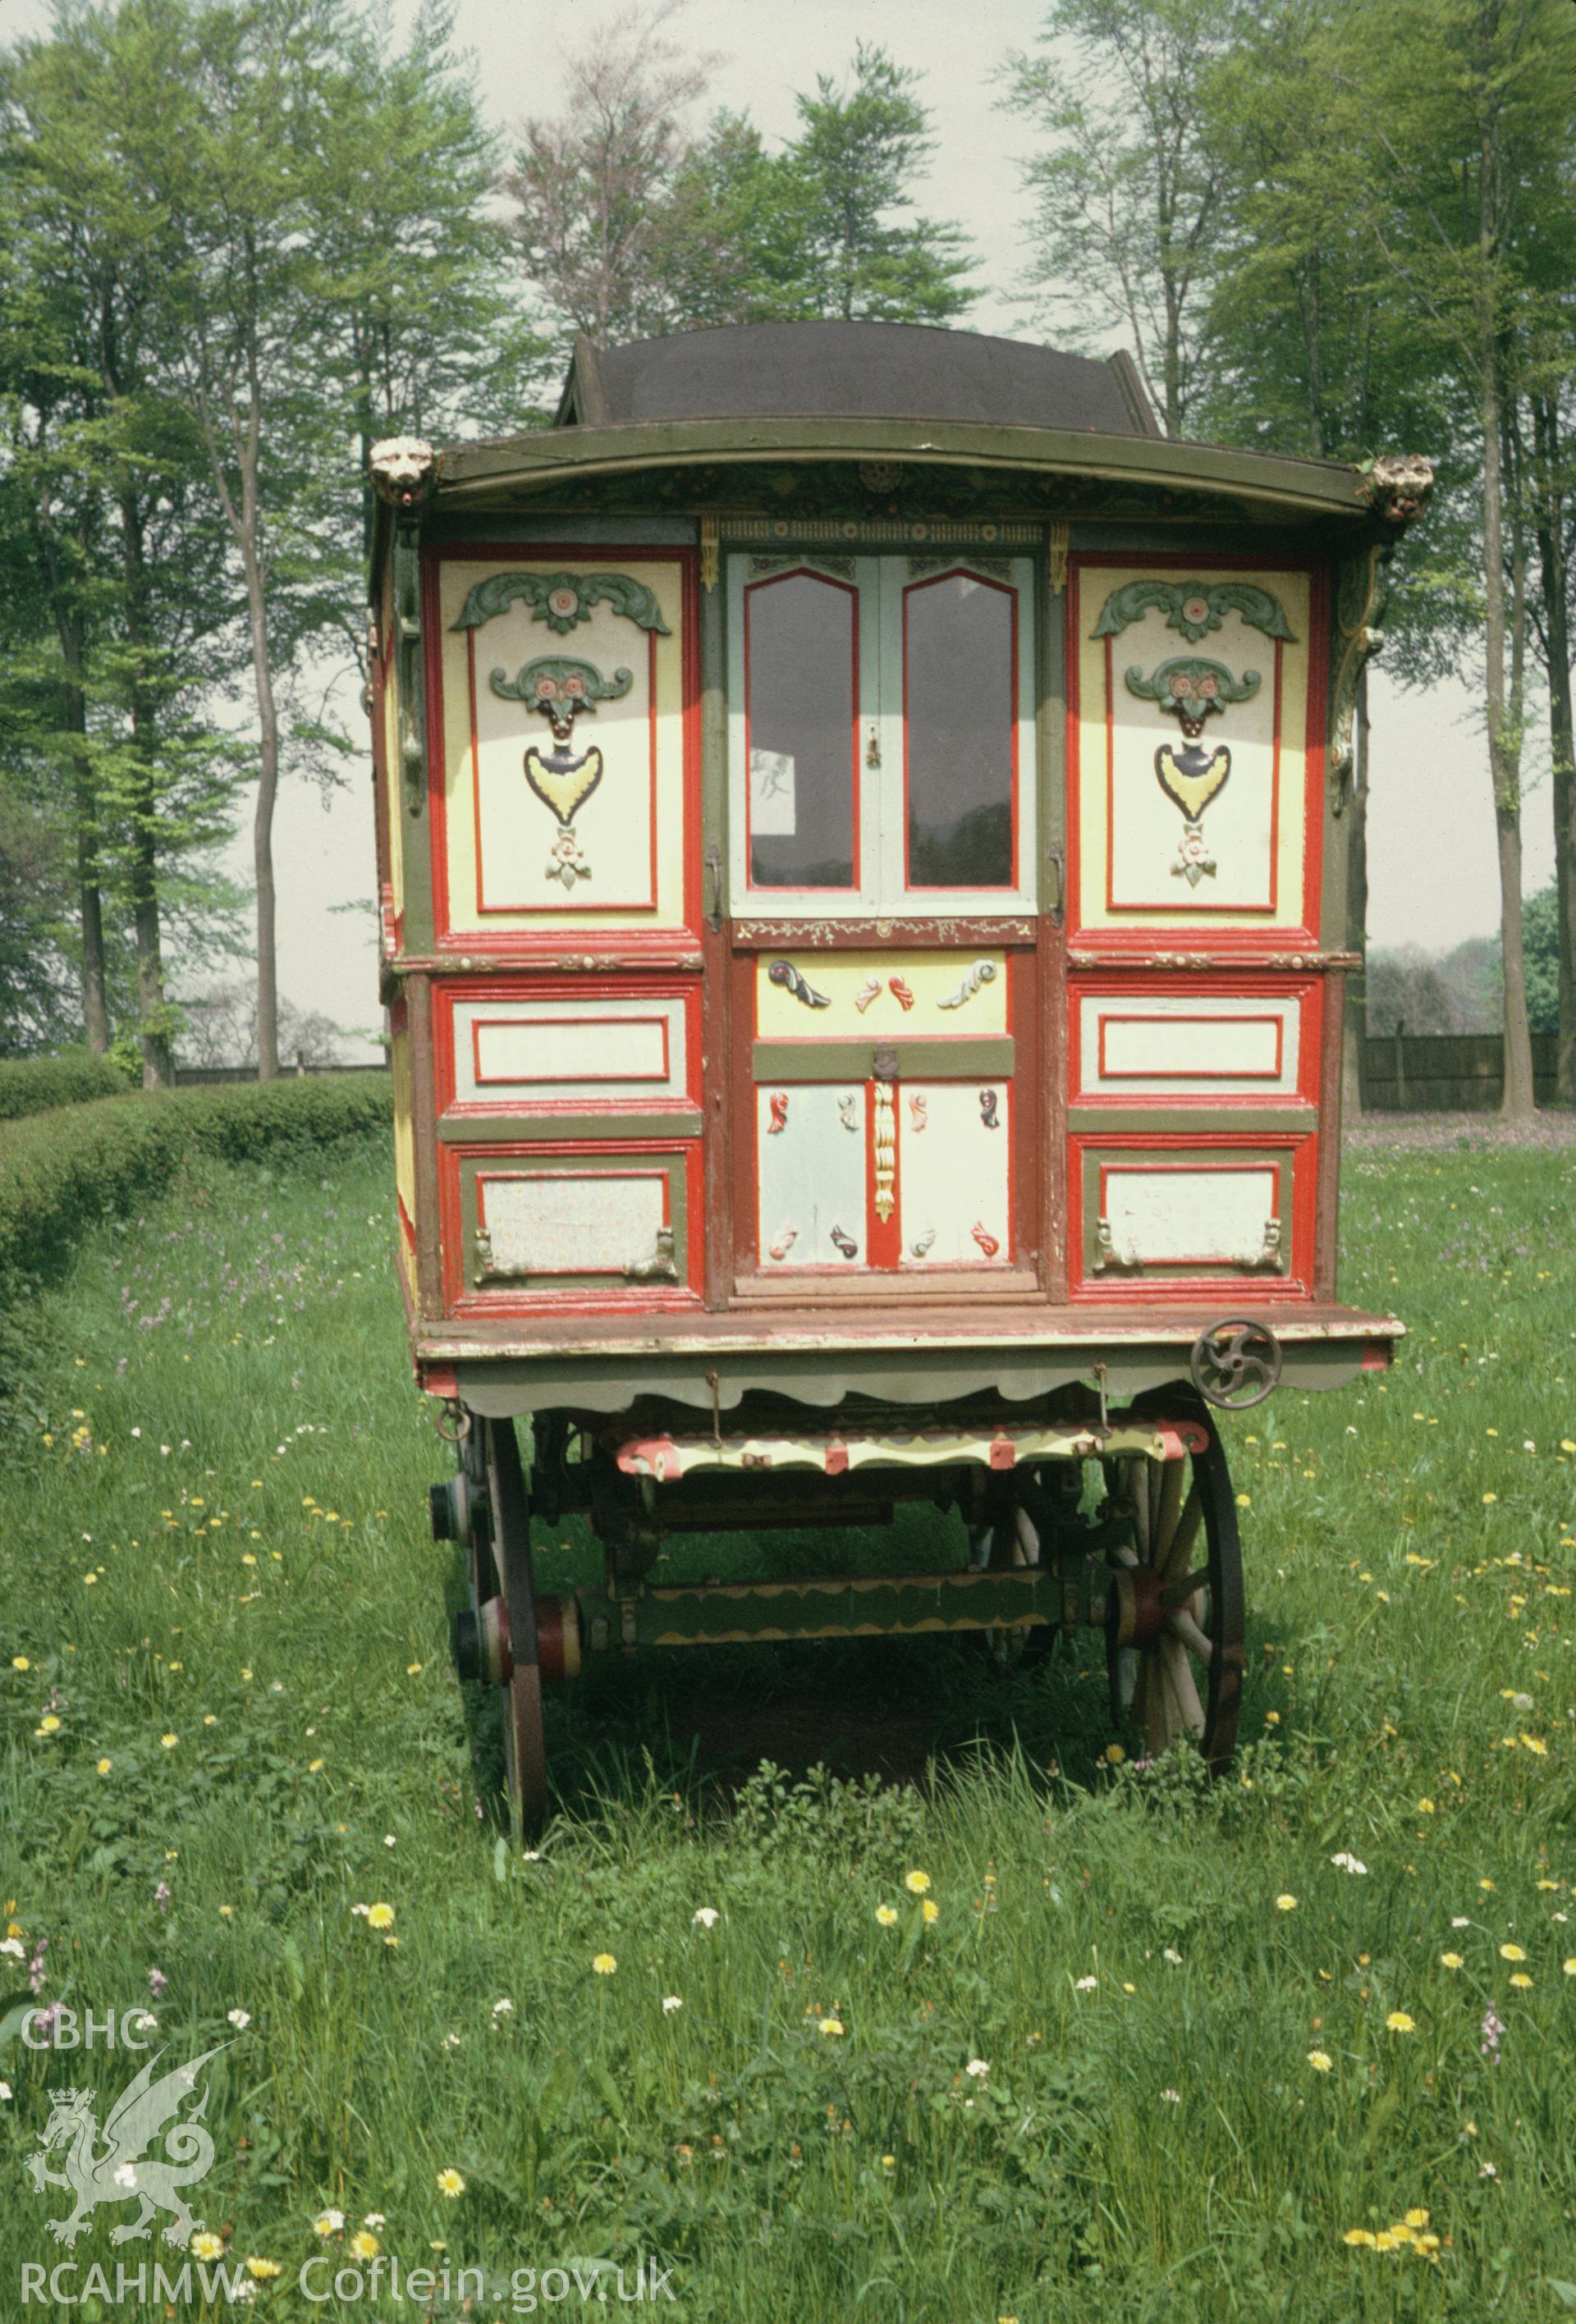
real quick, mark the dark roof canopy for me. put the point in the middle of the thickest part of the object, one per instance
(870, 371)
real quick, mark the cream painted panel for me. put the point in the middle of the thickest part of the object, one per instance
(630, 829)
(573, 1222)
(959, 992)
(1252, 828)
(1168, 1044)
(953, 1176)
(811, 1175)
(1215, 1214)
(507, 1051)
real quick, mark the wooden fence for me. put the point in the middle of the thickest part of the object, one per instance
(1446, 1072)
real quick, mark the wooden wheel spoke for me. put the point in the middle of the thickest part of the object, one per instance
(1187, 1680)
(1167, 1507)
(1182, 1626)
(1184, 1532)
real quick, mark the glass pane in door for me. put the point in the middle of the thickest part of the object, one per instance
(802, 735)
(960, 704)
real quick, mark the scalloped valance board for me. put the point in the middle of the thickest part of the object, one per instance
(1214, 832)
(538, 833)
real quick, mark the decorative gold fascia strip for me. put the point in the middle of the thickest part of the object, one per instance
(879, 530)
(1203, 963)
(1058, 533)
(708, 557)
(536, 964)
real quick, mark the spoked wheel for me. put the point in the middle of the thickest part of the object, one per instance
(524, 1748)
(481, 1573)
(1173, 1644)
(1013, 1538)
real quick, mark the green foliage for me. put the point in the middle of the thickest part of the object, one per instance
(75, 1077)
(226, 1378)
(60, 1170)
(1539, 934)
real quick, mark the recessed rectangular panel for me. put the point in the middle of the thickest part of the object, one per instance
(811, 1176)
(954, 1145)
(1174, 1214)
(552, 1049)
(1169, 1044)
(545, 1223)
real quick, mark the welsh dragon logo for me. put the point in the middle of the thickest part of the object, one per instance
(123, 2172)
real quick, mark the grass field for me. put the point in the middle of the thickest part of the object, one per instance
(1164, 2051)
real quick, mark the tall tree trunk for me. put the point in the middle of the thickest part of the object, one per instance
(90, 905)
(267, 790)
(1553, 580)
(1355, 1021)
(1504, 759)
(152, 1028)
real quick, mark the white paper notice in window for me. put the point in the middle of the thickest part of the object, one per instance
(771, 795)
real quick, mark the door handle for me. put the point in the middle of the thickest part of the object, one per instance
(873, 749)
(714, 865)
(1058, 863)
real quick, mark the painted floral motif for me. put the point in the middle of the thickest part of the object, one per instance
(779, 1107)
(901, 992)
(869, 991)
(978, 973)
(987, 1112)
(563, 600)
(784, 973)
(986, 1240)
(845, 1244)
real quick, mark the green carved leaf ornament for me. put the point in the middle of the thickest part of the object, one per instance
(1194, 607)
(1191, 680)
(563, 600)
(559, 678)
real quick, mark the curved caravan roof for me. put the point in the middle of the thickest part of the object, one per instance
(894, 417)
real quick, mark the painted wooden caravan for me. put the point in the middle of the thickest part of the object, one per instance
(863, 923)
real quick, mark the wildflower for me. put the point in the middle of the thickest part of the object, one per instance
(978, 2067)
(1487, 2171)
(930, 1912)
(1490, 2029)
(263, 2268)
(604, 1964)
(50, 1725)
(1171, 2098)
(916, 1882)
(889, 2163)
(1418, 2218)
(20, 1662)
(1570, 1967)
(1512, 1953)
(1115, 1754)
(157, 1981)
(831, 2026)
(4, 2093)
(1349, 1863)
(330, 2223)
(206, 2246)
(1450, 1960)
(451, 2183)
(504, 2007)
(705, 1916)
(1321, 2061)
(1426, 1807)
(672, 2001)
(1361, 2238)
(380, 1917)
(1285, 1903)
(1460, 1920)
(1085, 1984)
(1171, 1954)
(364, 2246)
(161, 1895)
(1398, 2022)
(103, 1767)
(239, 2018)
(169, 1741)
(886, 1915)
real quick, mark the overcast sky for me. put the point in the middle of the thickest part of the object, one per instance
(1433, 878)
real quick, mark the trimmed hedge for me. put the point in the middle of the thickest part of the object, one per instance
(60, 1170)
(37, 1084)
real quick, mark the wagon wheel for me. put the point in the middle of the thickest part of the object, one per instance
(524, 1752)
(481, 1572)
(1173, 1644)
(1013, 1539)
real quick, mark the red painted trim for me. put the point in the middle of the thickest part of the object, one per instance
(1118, 983)
(1110, 1073)
(1297, 1151)
(1378, 1355)
(461, 1297)
(851, 590)
(407, 1223)
(479, 1025)
(1264, 933)
(1008, 589)
(505, 991)
(627, 941)
(883, 1238)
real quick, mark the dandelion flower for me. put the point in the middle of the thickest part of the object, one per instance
(169, 1741)
(380, 1917)
(1321, 2061)
(1361, 2238)
(1569, 1966)
(261, 2269)
(1512, 1953)
(831, 2026)
(206, 2246)
(451, 2183)
(1521, 1980)
(1398, 2022)
(604, 1964)
(103, 1766)
(705, 1916)
(363, 2245)
(1115, 1754)
(886, 1915)
(1450, 1960)
(20, 1662)
(930, 1912)
(1285, 1903)
(916, 1882)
